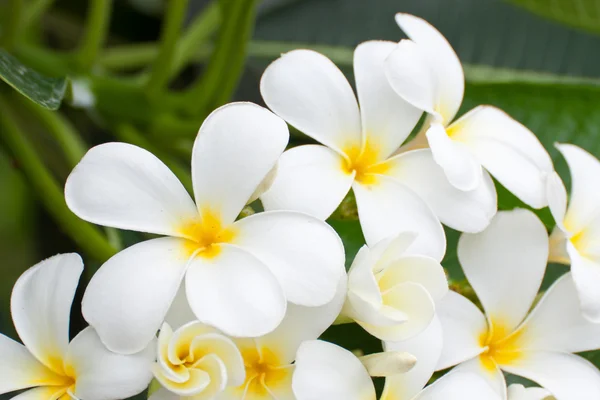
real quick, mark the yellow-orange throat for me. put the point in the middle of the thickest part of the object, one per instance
(206, 234)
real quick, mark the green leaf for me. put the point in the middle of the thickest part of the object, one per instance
(46, 91)
(581, 14)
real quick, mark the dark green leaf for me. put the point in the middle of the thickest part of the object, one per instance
(45, 91)
(582, 14)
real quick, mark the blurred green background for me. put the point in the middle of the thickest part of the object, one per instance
(536, 59)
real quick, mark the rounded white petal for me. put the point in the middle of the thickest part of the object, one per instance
(103, 375)
(515, 244)
(41, 307)
(469, 211)
(493, 377)
(520, 392)
(235, 292)
(40, 393)
(226, 350)
(127, 187)
(302, 323)
(425, 271)
(443, 61)
(304, 253)
(387, 119)
(309, 179)
(459, 386)
(19, 369)
(556, 323)
(327, 371)
(566, 376)
(127, 299)
(307, 90)
(461, 168)
(411, 77)
(237, 146)
(426, 347)
(508, 150)
(586, 275)
(557, 199)
(361, 276)
(463, 324)
(387, 208)
(584, 203)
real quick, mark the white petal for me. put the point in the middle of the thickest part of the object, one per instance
(586, 275)
(463, 324)
(557, 199)
(40, 393)
(441, 58)
(494, 378)
(237, 146)
(469, 211)
(411, 77)
(426, 347)
(556, 323)
(387, 208)
(566, 376)
(19, 369)
(309, 179)
(461, 168)
(235, 292)
(225, 349)
(417, 269)
(127, 299)
(387, 119)
(508, 150)
(327, 371)
(515, 244)
(585, 195)
(520, 392)
(307, 90)
(302, 323)
(103, 375)
(459, 386)
(180, 312)
(164, 394)
(361, 277)
(304, 253)
(127, 187)
(280, 388)
(41, 307)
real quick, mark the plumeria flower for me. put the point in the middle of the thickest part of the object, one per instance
(505, 265)
(407, 192)
(576, 237)
(520, 392)
(50, 366)
(426, 72)
(327, 371)
(238, 274)
(391, 294)
(196, 362)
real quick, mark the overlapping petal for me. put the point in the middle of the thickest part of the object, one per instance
(309, 179)
(127, 299)
(236, 147)
(459, 386)
(586, 275)
(492, 376)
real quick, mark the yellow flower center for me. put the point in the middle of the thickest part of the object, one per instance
(502, 346)
(365, 162)
(263, 369)
(205, 235)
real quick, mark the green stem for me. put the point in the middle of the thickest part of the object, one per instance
(96, 30)
(50, 194)
(159, 75)
(34, 12)
(12, 23)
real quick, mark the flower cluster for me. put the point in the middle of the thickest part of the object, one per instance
(225, 306)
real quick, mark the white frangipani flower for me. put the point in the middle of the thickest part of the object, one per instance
(393, 193)
(391, 294)
(520, 392)
(197, 362)
(505, 265)
(576, 237)
(327, 371)
(426, 72)
(238, 274)
(48, 365)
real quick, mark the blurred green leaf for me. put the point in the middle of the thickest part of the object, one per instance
(581, 14)
(45, 91)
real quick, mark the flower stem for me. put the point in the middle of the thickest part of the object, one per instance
(159, 75)
(34, 12)
(96, 30)
(50, 194)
